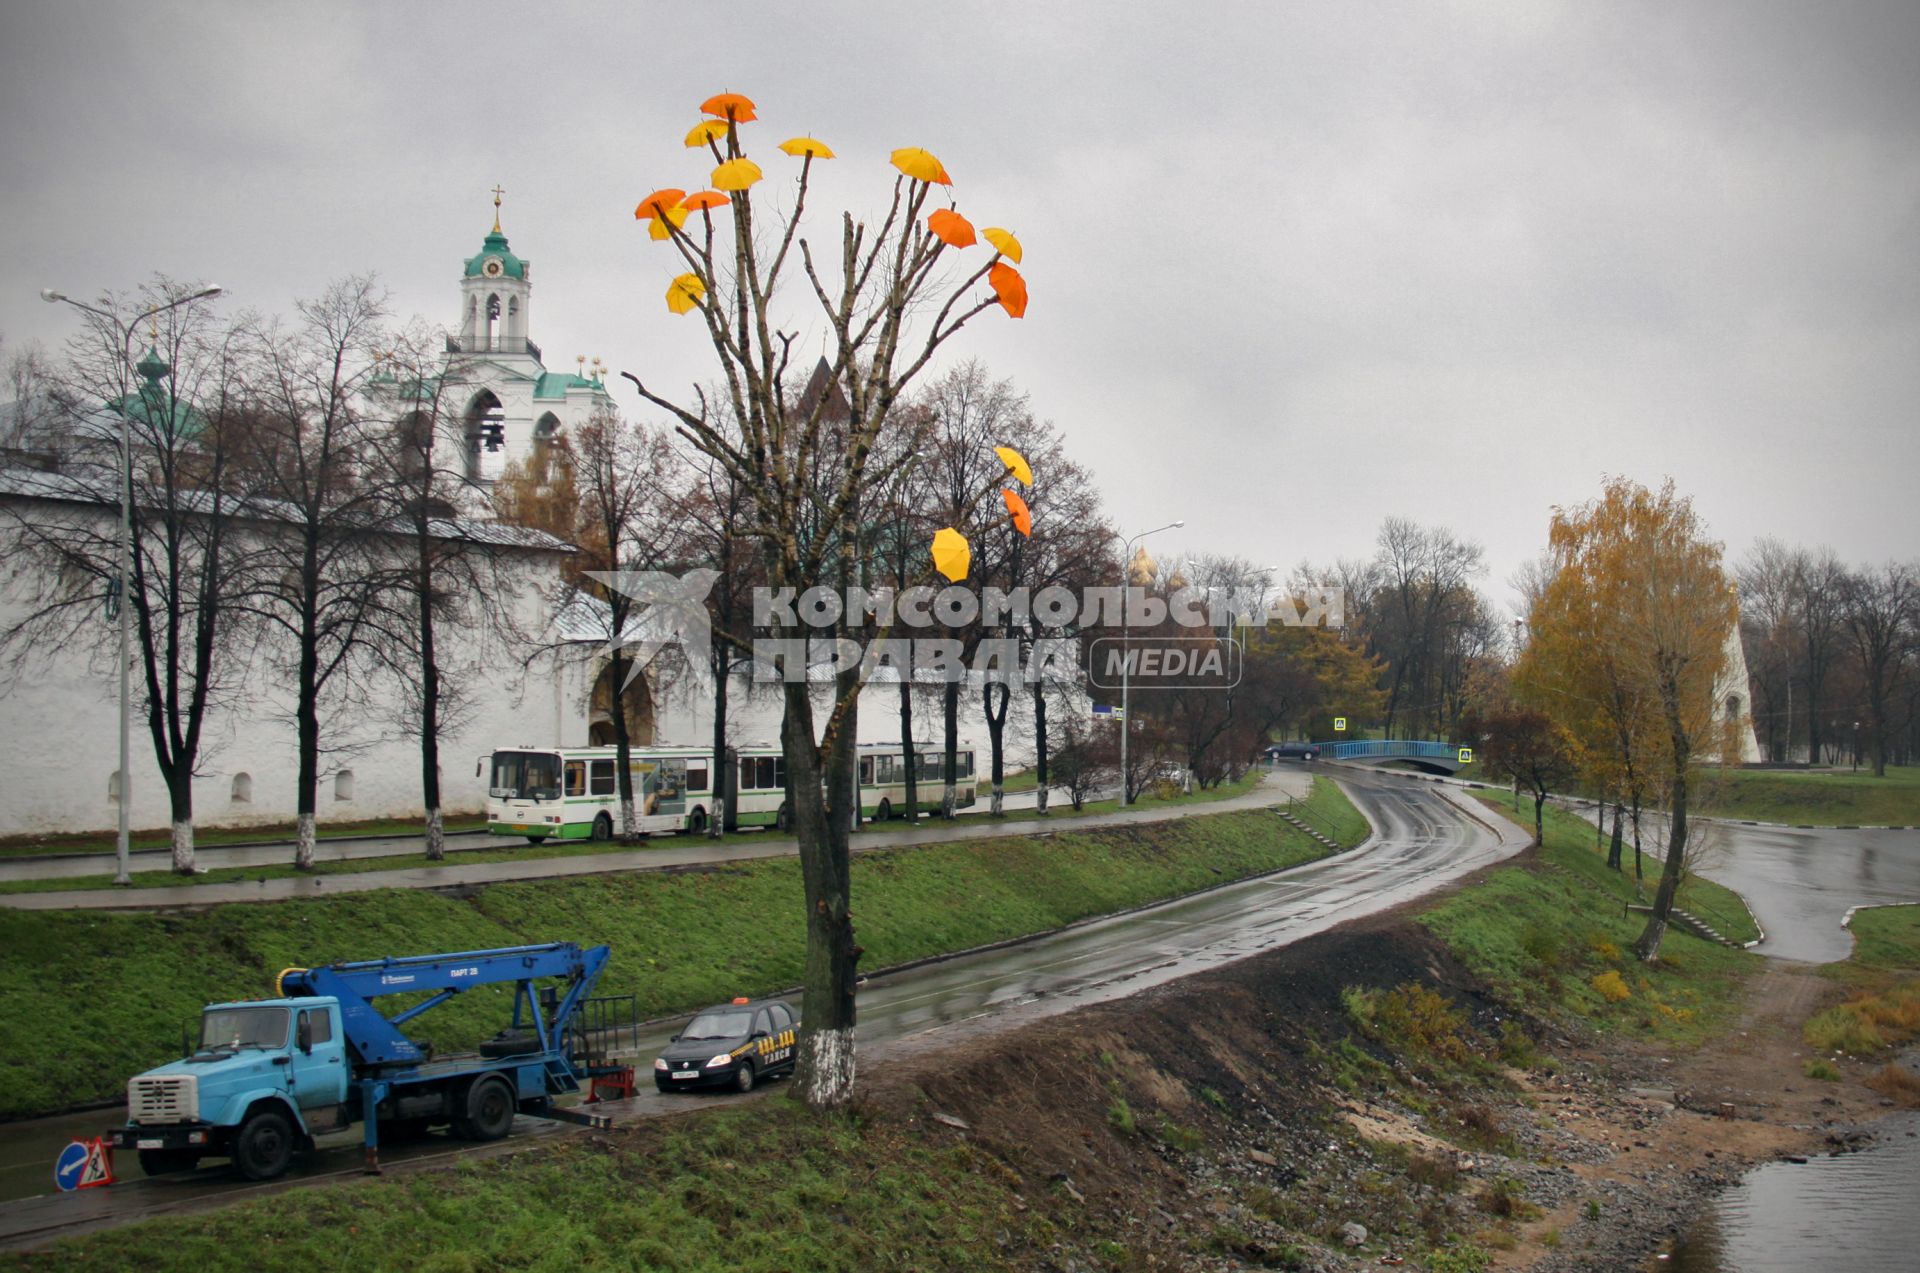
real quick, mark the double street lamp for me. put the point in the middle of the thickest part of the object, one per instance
(125, 331)
(1126, 650)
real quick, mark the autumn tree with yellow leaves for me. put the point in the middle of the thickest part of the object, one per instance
(1627, 640)
(890, 298)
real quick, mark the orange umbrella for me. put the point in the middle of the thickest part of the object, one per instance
(1016, 464)
(921, 166)
(657, 202)
(807, 146)
(661, 228)
(1022, 515)
(1003, 242)
(951, 228)
(951, 556)
(1009, 287)
(702, 200)
(736, 174)
(706, 132)
(685, 292)
(735, 106)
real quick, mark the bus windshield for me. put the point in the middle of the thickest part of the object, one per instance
(525, 775)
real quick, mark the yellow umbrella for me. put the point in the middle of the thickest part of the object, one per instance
(921, 166)
(663, 226)
(951, 556)
(736, 174)
(807, 146)
(1016, 464)
(706, 132)
(685, 292)
(1003, 242)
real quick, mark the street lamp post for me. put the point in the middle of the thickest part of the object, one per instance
(1126, 652)
(125, 331)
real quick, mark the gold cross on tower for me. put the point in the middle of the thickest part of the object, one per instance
(497, 192)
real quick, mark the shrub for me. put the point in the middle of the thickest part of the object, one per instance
(1611, 987)
(1120, 1115)
(1822, 1071)
(1897, 1083)
(1418, 1020)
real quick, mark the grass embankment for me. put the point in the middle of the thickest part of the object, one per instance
(87, 999)
(1814, 799)
(1553, 937)
(1882, 1012)
(516, 849)
(273, 832)
(766, 1188)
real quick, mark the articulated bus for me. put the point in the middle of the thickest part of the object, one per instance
(573, 793)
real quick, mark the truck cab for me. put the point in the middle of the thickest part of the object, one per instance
(263, 1078)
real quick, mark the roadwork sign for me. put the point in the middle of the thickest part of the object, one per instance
(84, 1164)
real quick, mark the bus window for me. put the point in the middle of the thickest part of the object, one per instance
(603, 778)
(746, 774)
(964, 764)
(576, 777)
(866, 771)
(696, 775)
(764, 777)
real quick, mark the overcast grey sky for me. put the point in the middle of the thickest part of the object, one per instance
(1294, 266)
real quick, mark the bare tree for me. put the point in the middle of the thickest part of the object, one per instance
(1880, 618)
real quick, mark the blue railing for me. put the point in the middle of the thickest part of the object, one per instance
(1407, 748)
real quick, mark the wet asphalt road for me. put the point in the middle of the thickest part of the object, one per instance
(1425, 837)
(1800, 884)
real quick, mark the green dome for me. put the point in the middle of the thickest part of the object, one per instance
(495, 247)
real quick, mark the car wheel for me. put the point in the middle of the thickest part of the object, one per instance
(885, 812)
(168, 1162)
(783, 821)
(490, 1110)
(743, 1077)
(264, 1145)
(698, 822)
(602, 828)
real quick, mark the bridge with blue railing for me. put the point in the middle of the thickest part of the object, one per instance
(1446, 758)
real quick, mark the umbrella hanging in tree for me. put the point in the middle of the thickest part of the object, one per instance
(1003, 242)
(1022, 515)
(735, 106)
(702, 200)
(736, 174)
(1016, 464)
(663, 226)
(706, 132)
(921, 166)
(951, 228)
(951, 555)
(685, 292)
(657, 202)
(1009, 287)
(807, 147)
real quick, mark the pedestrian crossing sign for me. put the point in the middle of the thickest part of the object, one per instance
(1340, 724)
(1466, 755)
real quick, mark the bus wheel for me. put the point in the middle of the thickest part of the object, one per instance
(885, 812)
(698, 822)
(602, 828)
(782, 821)
(536, 839)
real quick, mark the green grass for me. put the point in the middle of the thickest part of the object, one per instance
(1542, 936)
(763, 1189)
(1887, 937)
(162, 838)
(1816, 799)
(516, 849)
(88, 999)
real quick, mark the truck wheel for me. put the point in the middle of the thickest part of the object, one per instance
(783, 821)
(743, 1077)
(885, 812)
(264, 1145)
(490, 1110)
(168, 1162)
(602, 828)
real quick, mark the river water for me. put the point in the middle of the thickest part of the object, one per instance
(1858, 1212)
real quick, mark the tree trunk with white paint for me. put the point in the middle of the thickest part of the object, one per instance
(436, 837)
(305, 841)
(183, 847)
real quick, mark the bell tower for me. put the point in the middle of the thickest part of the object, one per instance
(494, 296)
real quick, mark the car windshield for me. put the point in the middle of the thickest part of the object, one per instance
(230, 1028)
(718, 1025)
(526, 775)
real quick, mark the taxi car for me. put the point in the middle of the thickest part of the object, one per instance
(731, 1045)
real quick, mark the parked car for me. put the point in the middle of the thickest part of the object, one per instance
(731, 1045)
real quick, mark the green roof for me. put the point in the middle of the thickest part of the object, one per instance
(177, 420)
(554, 384)
(511, 266)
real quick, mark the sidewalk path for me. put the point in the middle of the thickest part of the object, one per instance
(1277, 786)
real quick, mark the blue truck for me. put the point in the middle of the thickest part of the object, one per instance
(267, 1076)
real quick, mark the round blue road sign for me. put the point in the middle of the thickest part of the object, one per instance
(69, 1165)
